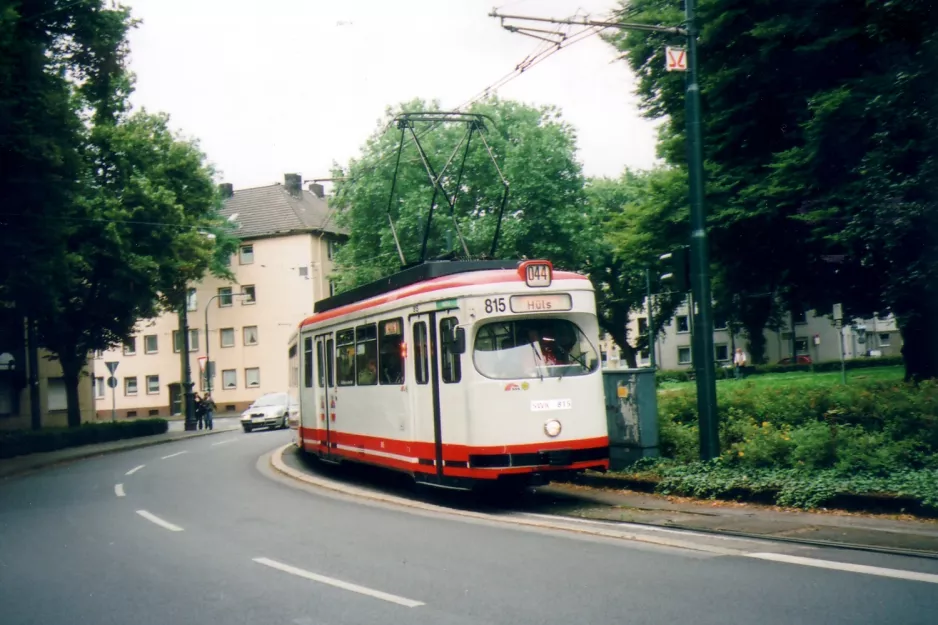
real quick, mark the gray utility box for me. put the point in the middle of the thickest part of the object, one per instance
(631, 415)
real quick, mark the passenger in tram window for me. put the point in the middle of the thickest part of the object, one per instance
(368, 375)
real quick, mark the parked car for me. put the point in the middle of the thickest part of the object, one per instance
(271, 410)
(802, 360)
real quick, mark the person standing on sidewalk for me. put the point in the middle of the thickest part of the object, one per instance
(208, 407)
(199, 410)
(739, 362)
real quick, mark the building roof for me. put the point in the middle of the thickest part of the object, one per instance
(273, 210)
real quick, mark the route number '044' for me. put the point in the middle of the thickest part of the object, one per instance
(495, 304)
(537, 275)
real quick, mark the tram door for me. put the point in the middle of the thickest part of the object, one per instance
(426, 385)
(325, 390)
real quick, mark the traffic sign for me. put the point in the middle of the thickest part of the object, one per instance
(676, 59)
(112, 366)
(202, 360)
(112, 382)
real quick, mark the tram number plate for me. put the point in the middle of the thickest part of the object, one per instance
(538, 275)
(540, 405)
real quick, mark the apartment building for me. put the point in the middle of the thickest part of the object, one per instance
(15, 397)
(288, 238)
(816, 336)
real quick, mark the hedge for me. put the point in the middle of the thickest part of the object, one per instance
(21, 442)
(722, 373)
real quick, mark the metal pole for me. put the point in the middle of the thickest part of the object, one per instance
(843, 364)
(32, 356)
(651, 333)
(208, 347)
(113, 402)
(700, 278)
(188, 398)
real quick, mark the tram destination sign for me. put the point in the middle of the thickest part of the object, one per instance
(553, 302)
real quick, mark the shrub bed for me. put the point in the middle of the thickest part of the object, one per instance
(722, 373)
(21, 442)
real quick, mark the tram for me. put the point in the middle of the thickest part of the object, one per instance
(458, 373)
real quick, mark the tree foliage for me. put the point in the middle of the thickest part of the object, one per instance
(546, 214)
(819, 139)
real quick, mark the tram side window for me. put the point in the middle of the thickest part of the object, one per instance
(451, 361)
(390, 358)
(366, 354)
(421, 362)
(319, 365)
(292, 355)
(308, 362)
(345, 357)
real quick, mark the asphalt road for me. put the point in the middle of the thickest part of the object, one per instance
(200, 532)
(218, 423)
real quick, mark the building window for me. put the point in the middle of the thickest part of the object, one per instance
(331, 288)
(99, 354)
(345, 357)
(250, 335)
(229, 378)
(683, 356)
(246, 254)
(99, 388)
(719, 322)
(642, 326)
(683, 323)
(249, 294)
(153, 385)
(332, 247)
(150, 344)
(56, 397)
(192, 301)
(252, 377)
(130, 386)
(642, 355)
(801, 346)
(130, 346)
(800, 316)
(227, 337)
(224, 297)
(303, 271)
(193, 341)
(884, 339)
(450, 360)
(722, 353)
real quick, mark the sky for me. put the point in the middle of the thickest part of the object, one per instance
(291, 86)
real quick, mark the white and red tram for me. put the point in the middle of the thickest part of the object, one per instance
(455, 372)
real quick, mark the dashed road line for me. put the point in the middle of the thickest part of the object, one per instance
(845, 566)
(158, 521)
(322, 579)
(119, 490)
(225, 442)
(178, 453)
(135, 469)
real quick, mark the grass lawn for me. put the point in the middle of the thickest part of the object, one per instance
(799, 378)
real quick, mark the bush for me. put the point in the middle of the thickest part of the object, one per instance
(21, 442)
(722, 373)
(874, 426)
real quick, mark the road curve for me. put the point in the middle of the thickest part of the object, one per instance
(201, 531)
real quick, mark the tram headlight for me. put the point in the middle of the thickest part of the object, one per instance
(552, 427)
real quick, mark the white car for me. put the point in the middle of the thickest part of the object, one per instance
(272, 410)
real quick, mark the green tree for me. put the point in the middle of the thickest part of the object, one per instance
(546, 216)
(818, 139)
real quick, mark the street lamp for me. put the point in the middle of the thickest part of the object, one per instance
(209, 370)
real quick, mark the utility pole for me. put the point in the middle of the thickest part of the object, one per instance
(32, 357)
(188, 397)
(651, 332)
(700, 279)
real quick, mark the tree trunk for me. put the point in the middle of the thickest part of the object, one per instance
(919, 347)
(71, 374)
(616, 328)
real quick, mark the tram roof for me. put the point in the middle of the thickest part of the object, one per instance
(426, 272)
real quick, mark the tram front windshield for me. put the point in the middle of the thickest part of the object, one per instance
(533, 348)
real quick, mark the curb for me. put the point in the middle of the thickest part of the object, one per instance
(276, 462)
(103, 452)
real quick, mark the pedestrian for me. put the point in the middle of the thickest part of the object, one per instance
(739, 362)
(199, 410)
(208, 407)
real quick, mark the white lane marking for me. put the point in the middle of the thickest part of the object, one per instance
(178, 453)
(119, 490)
(844, 566)
(230, 440)
(155, 519)
(637, 526)
(135, 469)
(322, 579)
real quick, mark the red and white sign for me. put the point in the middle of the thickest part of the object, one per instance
(202, 360)
(676, 59)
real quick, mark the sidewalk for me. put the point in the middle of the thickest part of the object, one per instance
(892, 532)
(31, 462)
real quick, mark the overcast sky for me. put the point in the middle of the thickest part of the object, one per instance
(292, 85)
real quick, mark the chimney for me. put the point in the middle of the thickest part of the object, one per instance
(293, 183)
(317, 189)
(226, 189)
